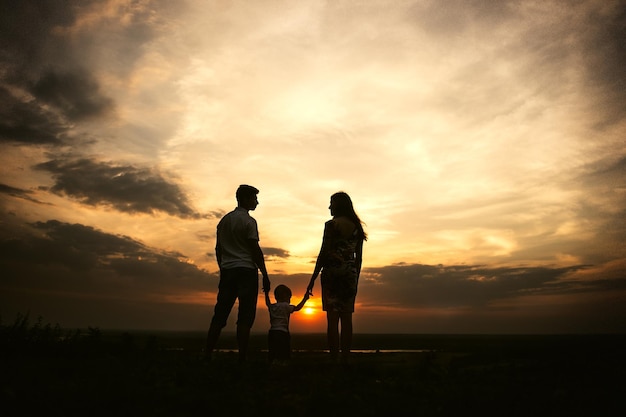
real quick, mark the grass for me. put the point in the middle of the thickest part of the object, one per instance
(48, 371)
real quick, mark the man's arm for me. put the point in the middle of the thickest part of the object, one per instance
(259, 260)
(218, 252)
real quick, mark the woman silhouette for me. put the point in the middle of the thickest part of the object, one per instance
(339, 261)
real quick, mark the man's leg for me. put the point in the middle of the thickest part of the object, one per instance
(226, 296)
(243, 337)
(248, 283)
(213, 336)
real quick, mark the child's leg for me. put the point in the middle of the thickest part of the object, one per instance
(271, 346)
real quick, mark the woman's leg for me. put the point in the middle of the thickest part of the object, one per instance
(346, 335)
(332, 332)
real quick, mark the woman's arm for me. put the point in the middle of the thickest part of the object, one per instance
(321, 257)
(301, 304)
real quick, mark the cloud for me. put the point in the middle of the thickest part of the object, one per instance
(41, 36)
(77, 94)
(270, 254)
(30, 35)
(84, 259)
(53, 56)
(275, 253)
(580, 44)
(78, 275)
(7, 189)
(43, 84)
(126, 188)
(25, 121)
(601, 208)
(458, 286)
(605, 51)
(18, 193)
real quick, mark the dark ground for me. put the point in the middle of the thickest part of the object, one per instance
(44, 371)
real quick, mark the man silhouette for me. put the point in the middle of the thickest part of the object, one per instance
(239, 257)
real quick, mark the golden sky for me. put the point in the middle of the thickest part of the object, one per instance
(483, 144)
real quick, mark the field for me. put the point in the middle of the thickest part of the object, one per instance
(46, 371)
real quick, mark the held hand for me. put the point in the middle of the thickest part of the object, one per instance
(266, 284)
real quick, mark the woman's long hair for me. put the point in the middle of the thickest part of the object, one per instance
(342, 206)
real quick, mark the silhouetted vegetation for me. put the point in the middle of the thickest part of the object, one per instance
(47, 370)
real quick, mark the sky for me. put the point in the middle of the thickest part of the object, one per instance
(483, 144)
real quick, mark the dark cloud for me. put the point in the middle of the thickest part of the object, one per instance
(603, 204)
(18, 193)
(48, 67)
(30, 37)
(605, 52)
(28, 122)
(79, 275)
(37, 104)
(275, 253)
(270, 254)
(77, 94)
(48, 36)
(461, 285)
(37, 58)
(125, 188)
(92, 259)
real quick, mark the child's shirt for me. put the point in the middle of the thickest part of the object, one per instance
(279, 316)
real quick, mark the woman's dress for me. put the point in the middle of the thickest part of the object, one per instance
(339, 272)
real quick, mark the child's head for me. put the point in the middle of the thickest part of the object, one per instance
(282, 293)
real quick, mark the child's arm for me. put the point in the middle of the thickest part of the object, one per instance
(299, 306)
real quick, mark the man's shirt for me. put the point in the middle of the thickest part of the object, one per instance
(233, 233)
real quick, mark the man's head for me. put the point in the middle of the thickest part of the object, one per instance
(246, 196)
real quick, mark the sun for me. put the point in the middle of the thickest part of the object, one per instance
(311, 311)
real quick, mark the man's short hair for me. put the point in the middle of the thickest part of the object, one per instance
(245, 192)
